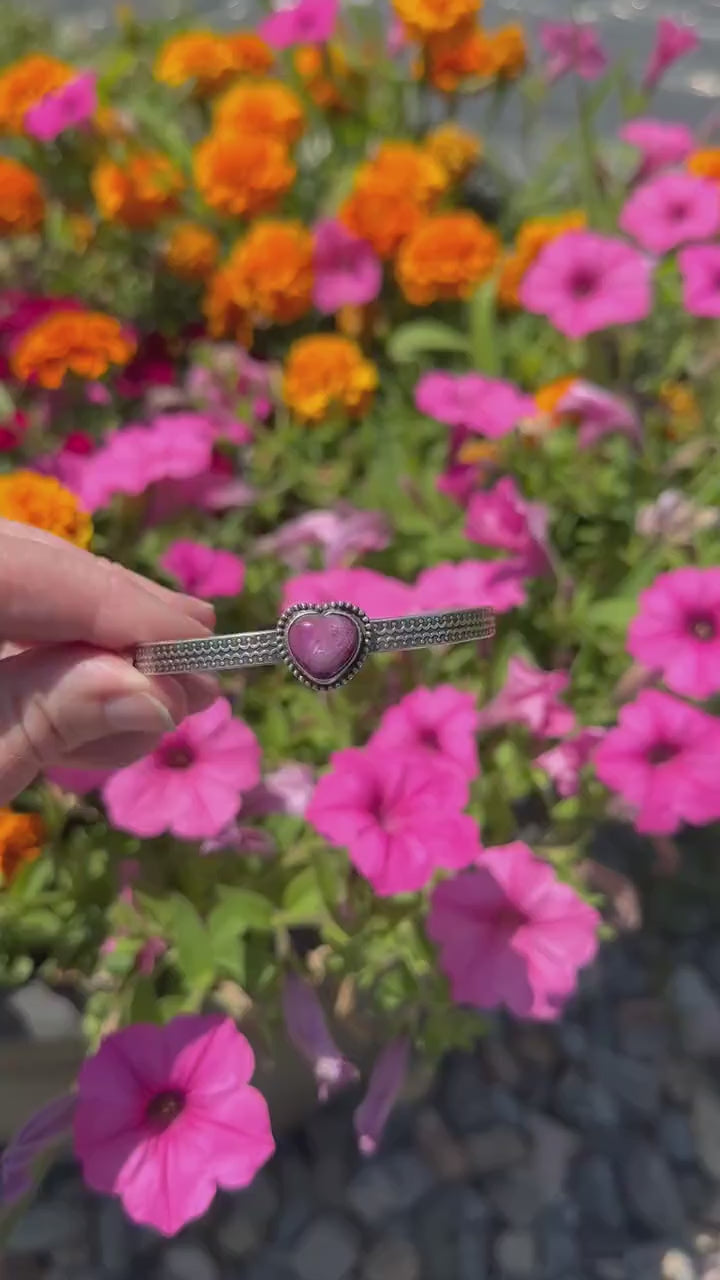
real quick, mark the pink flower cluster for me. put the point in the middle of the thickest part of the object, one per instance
(511, 935)
(488, 407)
(468, 584)
(396, 804)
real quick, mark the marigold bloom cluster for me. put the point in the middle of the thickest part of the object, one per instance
(211, 60)
(22, 203)
(326, 373)
(41, 501)
(85, 343)
(21, 838)
(138, 193)
(24, 83)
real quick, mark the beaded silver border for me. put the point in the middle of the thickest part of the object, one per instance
(343, 608)
(267, 648)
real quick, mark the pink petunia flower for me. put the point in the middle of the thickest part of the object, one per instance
(307, 1029)
(565, 762)
(670, 209)
(204, 571)
(661, 143)
(471, 584)
(583, 281)
(78, 782)
(572, 46)
(530, 697)
(47, 1127)
(192, 783)
(284, 790)
(441, 721)
(72, 104)
(347, 271)
(510, 934)
(662, 758)
(598, 413)
(166, 1115)
(343, 533)
(673, 40)
(386, 1081)
(700, 270)
(379, 595)
(677, 630)
(225, 381)
(133, 458)
(305, 22)
(399, 817)
(487, 406)
(501, 517)
(236, 837)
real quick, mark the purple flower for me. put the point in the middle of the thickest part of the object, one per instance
(347, 270)
(599, 413)
(386, 1081)
(307, 22)
(208, 572)
(47, 1126)
(343, 534)
(488, 406)
(285, 790)
(500, 517)
(306, 1026)
(660, 142)
(700, 271)
(570, 46)
(72, 104)
(673, 40)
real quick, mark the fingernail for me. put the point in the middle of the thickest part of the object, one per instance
(138, 713)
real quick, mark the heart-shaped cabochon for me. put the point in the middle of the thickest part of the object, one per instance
(324, 644)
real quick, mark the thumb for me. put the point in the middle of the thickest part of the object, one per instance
(54, 702)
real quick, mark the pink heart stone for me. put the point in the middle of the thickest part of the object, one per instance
(323, 645)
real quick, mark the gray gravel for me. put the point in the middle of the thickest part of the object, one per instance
(584, 1151)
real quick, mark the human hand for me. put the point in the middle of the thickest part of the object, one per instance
(68, 696)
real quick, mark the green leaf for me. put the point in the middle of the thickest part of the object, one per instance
(482, 316)
(192, 943)
(302, 900)
(423, 337)
(241, 909)
(143, 1005)
(614, 614)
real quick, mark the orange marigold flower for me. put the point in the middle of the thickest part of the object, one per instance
(242, 174)
(390, 194)
(547, 398)
(43, 502)
(82, 230)
(85, 343)
(325, 75)
(139, 193)
(268, 108)
(448, 64)
(474, 451)
(22, 204)
(682, 405)
(455, 148)
(226, 316)
(509, 47)
(191, 251)
(446, 257)
(211, 60)
(24, 83)
(272, 271)
(424, 19)
(251, 55)
(21, 837)
(325, 373)
(532, 237)
(111, 123)
(705, 163)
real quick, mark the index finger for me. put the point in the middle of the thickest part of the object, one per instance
(54, 593)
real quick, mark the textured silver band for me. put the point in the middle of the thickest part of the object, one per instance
(266, 648)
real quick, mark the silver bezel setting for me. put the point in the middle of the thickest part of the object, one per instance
(345, 609)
